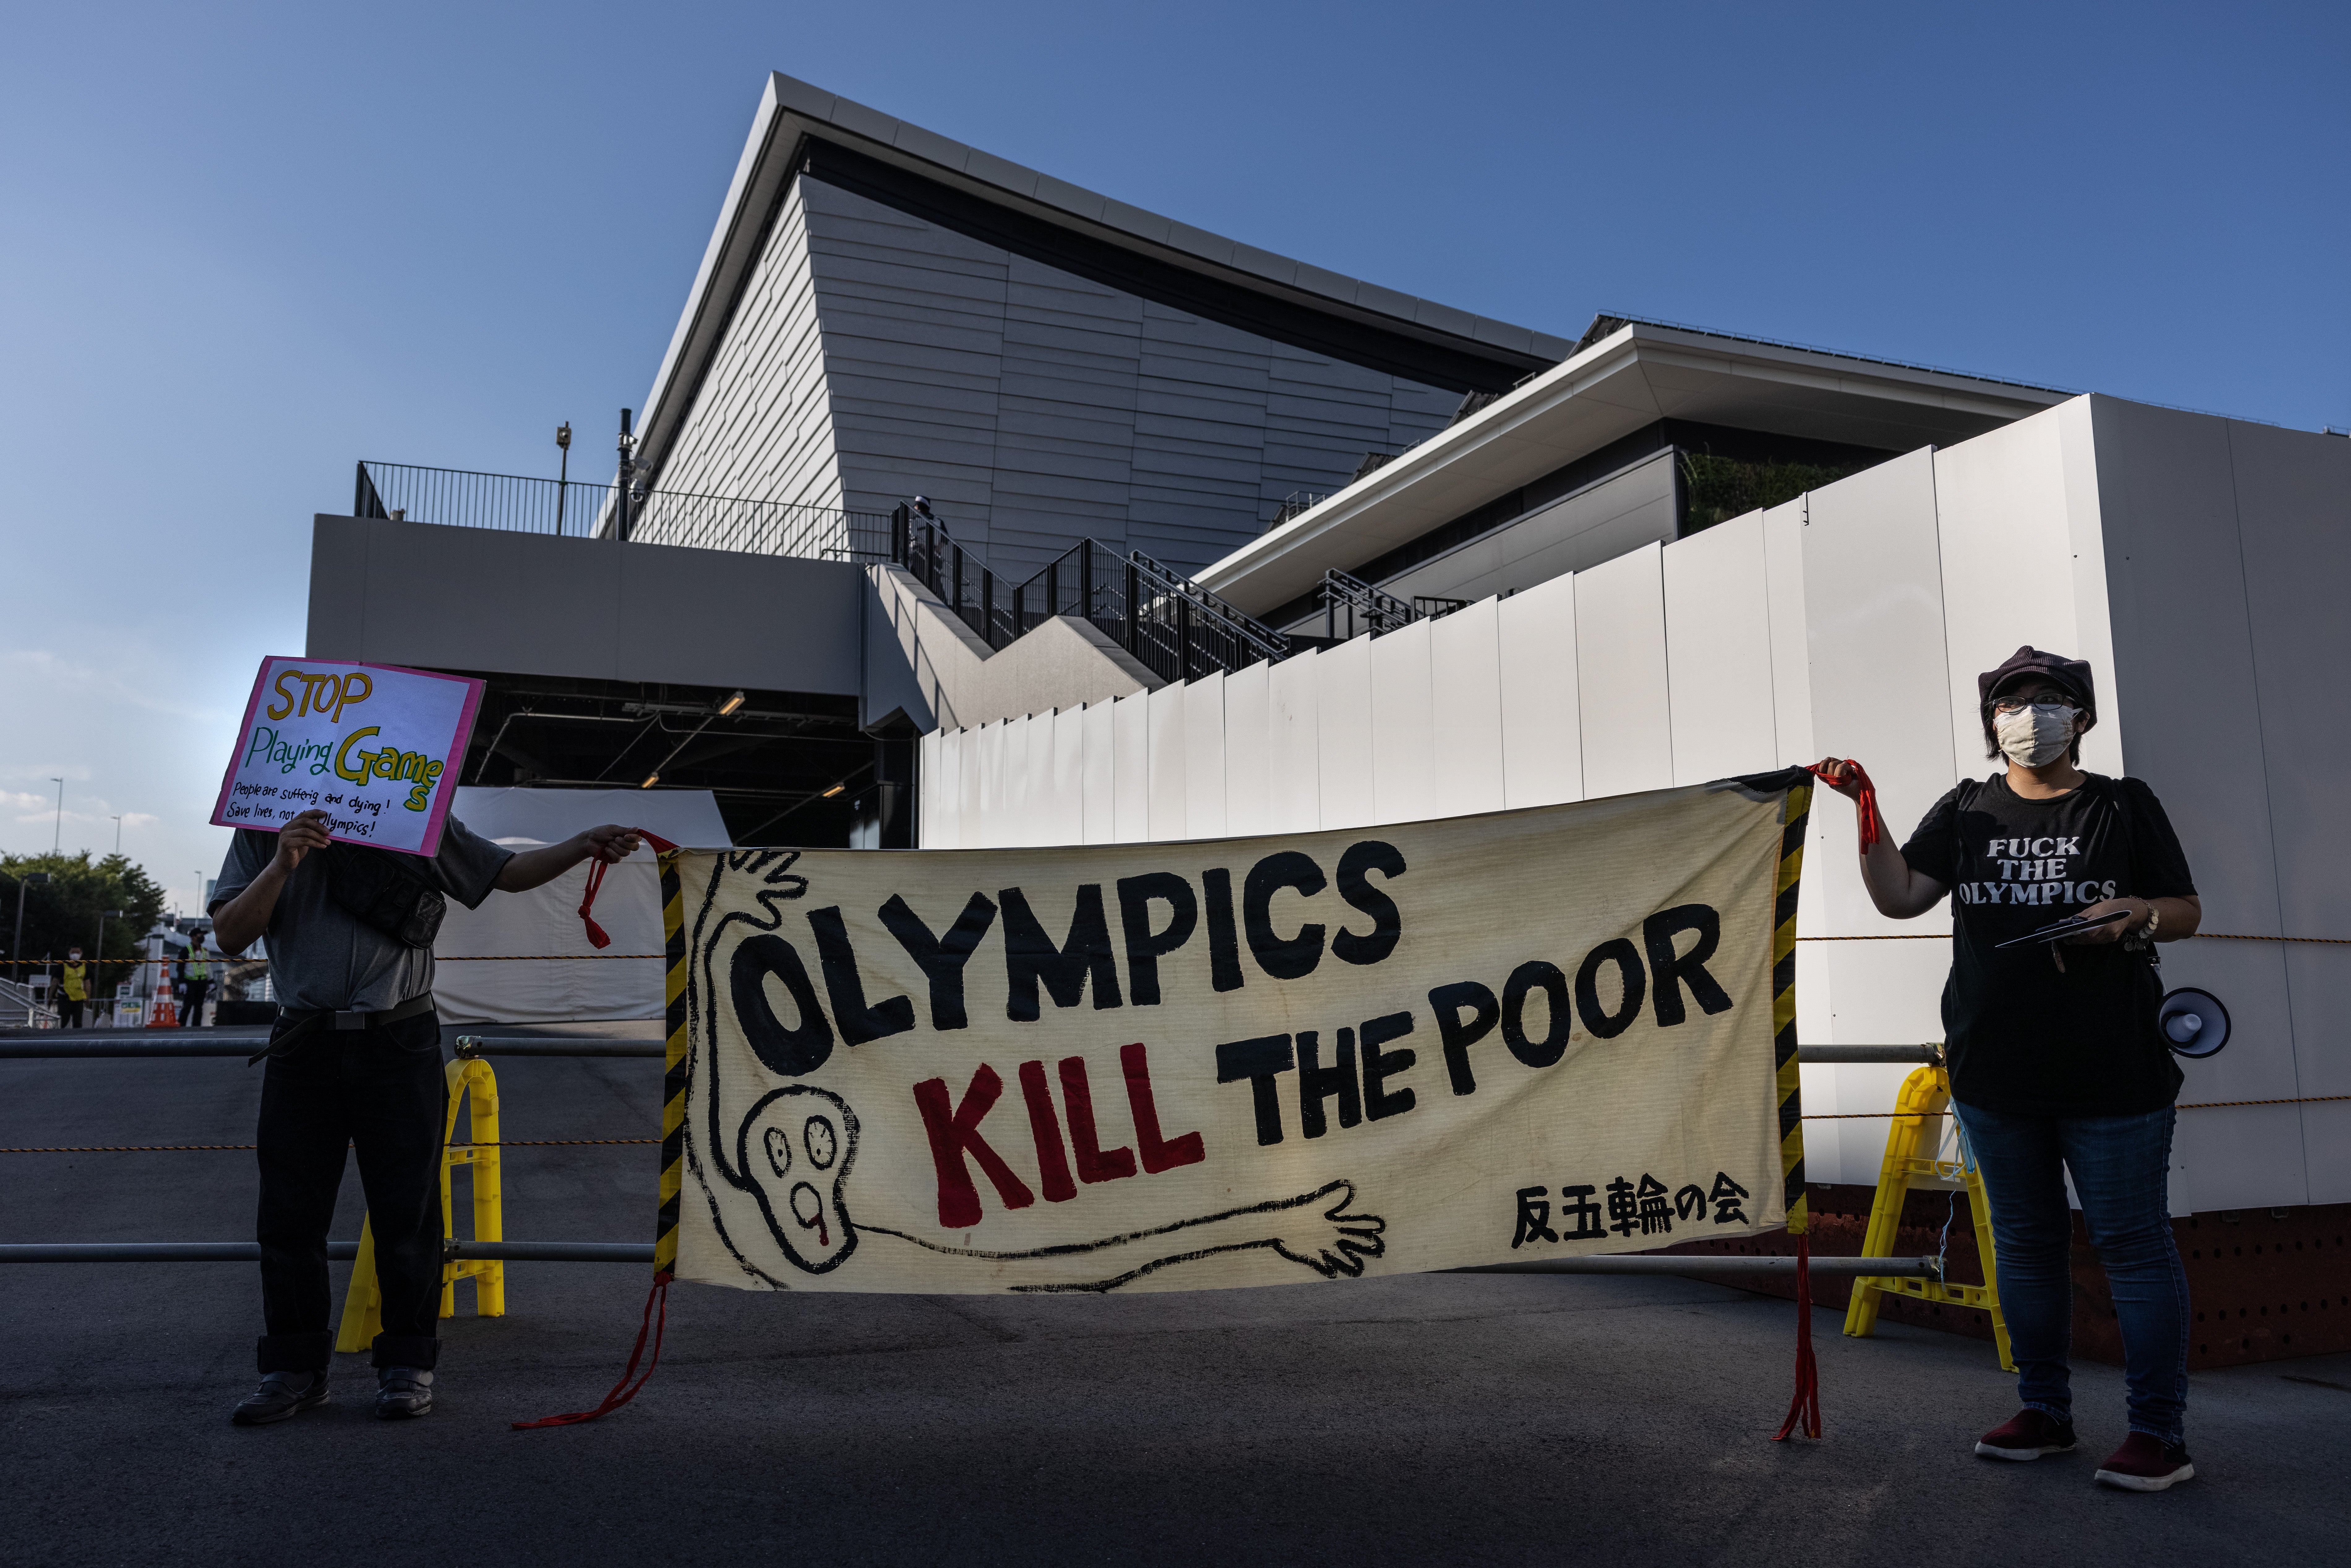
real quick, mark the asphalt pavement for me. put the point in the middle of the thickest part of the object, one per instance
(1438, 1417)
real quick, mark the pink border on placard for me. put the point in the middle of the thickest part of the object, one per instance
(443, 799)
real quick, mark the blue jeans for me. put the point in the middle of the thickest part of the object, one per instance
(2119, 1165)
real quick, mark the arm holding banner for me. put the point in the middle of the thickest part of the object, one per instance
(535, 868)
(1899, 891)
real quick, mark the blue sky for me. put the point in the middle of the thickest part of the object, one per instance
(242, 246)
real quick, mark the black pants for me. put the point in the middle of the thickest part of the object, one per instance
(380, 1090)
(69, 1012)
(195, 1016)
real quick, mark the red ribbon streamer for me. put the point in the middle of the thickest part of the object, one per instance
(596, 867)
(1805, 1407)
(1873, 826)
(622, 1392)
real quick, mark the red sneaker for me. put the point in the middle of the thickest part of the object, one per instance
(2145, 1463)
(2028, 1434)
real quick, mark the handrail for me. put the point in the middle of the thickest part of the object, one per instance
(1172, 625)
(1380, 610)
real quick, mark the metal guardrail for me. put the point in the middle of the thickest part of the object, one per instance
(578, 510)
(472, 1047)
(47, 1045)
(337, 1251)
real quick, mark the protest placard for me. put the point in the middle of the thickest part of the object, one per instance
(375, 747)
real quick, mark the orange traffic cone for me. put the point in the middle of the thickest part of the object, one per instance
(166, 1016)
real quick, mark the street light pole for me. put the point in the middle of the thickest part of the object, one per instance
(628, 474)
(563, 474)
(98, 956)
(57, 841)
(118, 835)
(16, 932)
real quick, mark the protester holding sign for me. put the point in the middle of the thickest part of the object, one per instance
(355, 1055)
(2055, 1059)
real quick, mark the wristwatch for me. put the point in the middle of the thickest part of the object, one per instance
(2144, 937)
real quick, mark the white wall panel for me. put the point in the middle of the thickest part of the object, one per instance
(1620, 661)
(1542, 743)
(1101, 825)
(1466, 675)
(1248, 753)
(1719, 653)
(2293, 513)
(1791, 679)
(1168, 819)
(1022, 778)
(992, 815)
(1131, 768)
(2009, 570)
(1343, 681)
(928, 789)
(1404, 733)
(968, 824)
(1293, 745)
(1204, 757)
(2186, 658)
(1065, 803)
(1880, 692)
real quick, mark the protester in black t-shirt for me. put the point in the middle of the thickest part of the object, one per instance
(2056, 1062)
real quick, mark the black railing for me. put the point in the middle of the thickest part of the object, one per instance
(1372, 610)
(1170, 624)
(461, 498)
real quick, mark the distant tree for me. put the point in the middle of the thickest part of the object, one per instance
(64, 915)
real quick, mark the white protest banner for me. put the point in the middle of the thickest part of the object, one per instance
(375, 747)
(1237, 1062)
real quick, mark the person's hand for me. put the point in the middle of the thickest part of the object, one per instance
(2141, 911)
(609, 843)
(298, 838)
(1839, 776)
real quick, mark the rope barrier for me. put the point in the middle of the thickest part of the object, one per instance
(2199, 937)
(583, 957)
(226, 1148)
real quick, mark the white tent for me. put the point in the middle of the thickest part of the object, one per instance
(544, 924)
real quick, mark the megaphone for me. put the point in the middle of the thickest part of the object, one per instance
(2193, 1022)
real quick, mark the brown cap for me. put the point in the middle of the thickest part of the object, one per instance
(2030, 663)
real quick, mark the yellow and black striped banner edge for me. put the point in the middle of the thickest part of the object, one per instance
(673, 1167)
(1793, 816)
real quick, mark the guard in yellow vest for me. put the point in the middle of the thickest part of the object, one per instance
(76, 987)
(199, 978)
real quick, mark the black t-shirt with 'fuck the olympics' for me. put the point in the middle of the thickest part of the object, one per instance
(2023, 1035)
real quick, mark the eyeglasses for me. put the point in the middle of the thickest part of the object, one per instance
(2017, 704)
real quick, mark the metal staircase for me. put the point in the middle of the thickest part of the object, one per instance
(1172, 625)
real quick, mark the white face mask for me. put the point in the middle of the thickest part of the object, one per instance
(2035, 736)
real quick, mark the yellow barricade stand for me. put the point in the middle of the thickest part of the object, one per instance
(1924, 1100)
(472, 1084)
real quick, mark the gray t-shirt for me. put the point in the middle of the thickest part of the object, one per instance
(323, 956)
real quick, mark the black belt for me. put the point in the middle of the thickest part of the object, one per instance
(304, 1022)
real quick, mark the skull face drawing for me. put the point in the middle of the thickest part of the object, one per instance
(796, 1146)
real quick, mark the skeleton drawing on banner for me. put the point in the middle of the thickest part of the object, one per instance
(778, 1171)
